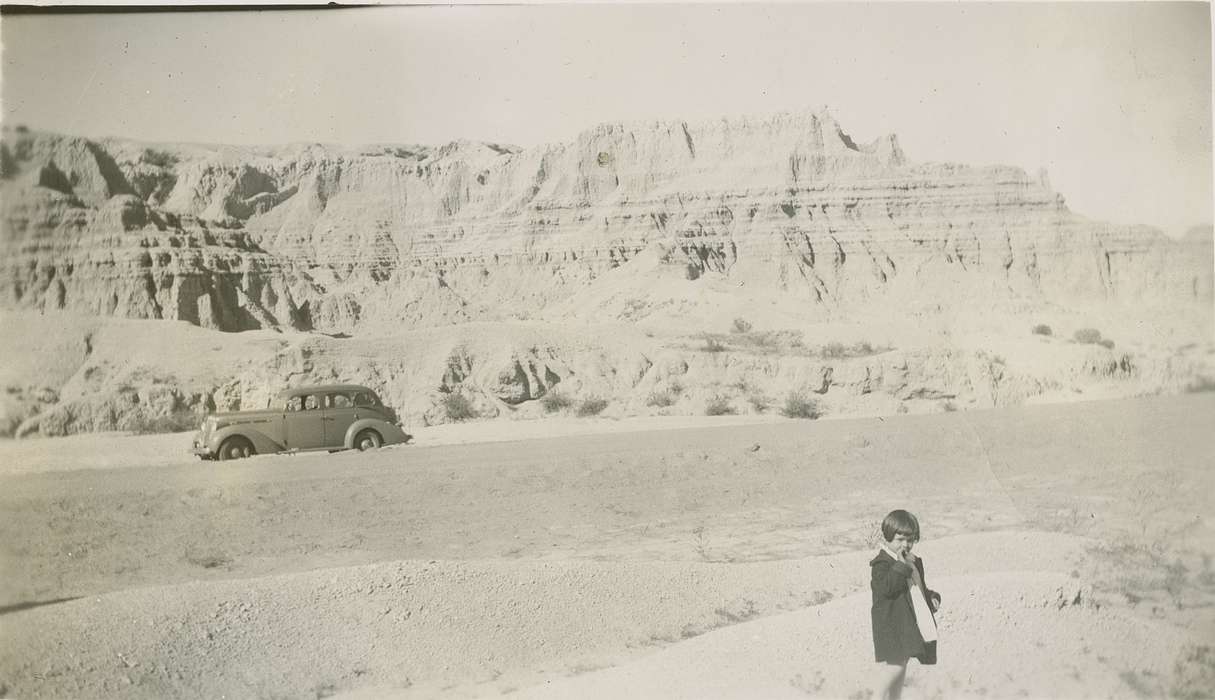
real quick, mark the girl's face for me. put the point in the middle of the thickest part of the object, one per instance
(902, 543)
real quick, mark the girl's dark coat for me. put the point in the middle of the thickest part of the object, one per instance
(896, 637)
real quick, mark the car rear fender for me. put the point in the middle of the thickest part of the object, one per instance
(389, 433)
(262, 443)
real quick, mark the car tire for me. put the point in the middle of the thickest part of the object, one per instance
(368, 440)
(236, 448)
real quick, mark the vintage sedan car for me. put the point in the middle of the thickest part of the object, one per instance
(303, 419)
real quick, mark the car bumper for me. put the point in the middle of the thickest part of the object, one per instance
(199, 447)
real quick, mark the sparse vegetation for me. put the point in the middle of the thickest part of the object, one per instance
(1042, 329)
(1193, 673)
(1201, 384)
(1087, 336)
(719, 406)
(661, 399)
(458, 408)
(741, 325)
(591, 406)
(798, 405)
(759, 401)
(949, 407)
(713, 344)
(837, 351)
(175, 422)
(162, 159)
(555, 401)
(1106, 343)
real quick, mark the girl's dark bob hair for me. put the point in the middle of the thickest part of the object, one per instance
(900, 522)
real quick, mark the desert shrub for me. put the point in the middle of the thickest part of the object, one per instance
(676, 388)
(713, 344)
(554, 401)
(759, 402)
(1042, 329)
(741, 325)
(458, 407)
(949, 407)
(1193, 673)
(719, 406)
(1200, 385)
(592, 406)
(661, 399)
(798, 405)
(1089, 336)
(175, 422)
(837, 350)
(1106, 343)
(161, 159)
(764, 341)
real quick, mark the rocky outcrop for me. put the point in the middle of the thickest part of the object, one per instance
(69, 377)
(308, 236)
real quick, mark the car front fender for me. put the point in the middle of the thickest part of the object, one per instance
(389, 433)
(262, 443)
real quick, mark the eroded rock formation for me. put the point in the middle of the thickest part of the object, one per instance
(315, 237)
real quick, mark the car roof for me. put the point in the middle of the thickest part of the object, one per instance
(321, 388)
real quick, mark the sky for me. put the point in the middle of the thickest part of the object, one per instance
(1113, 99)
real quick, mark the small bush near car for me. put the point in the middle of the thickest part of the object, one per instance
(458, 407)
(798, 405)
(554, 401)
(175, 422)
(592, 406)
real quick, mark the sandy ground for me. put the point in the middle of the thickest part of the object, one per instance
(717, 559)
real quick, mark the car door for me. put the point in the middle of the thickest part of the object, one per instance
(306, 427)
(340, 413)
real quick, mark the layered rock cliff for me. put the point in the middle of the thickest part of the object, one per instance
(325, 238)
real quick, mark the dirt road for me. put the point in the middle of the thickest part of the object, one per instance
(735, 493)
(599, 565)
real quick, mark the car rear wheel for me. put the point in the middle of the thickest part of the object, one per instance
(236, 448)
(368, 440)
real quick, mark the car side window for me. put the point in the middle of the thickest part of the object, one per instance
(311, 403)
(295, 403)
(338, 401)
(361, 399)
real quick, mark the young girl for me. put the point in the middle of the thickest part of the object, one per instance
(903, 624)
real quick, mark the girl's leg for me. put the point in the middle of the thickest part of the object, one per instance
(890, 677)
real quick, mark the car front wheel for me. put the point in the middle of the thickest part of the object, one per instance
(368, 440)
(236, 448)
